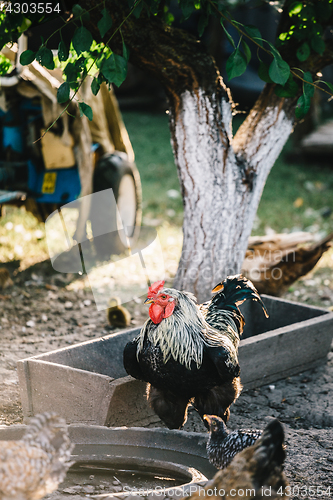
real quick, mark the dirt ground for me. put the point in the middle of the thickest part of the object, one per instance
(45, 310)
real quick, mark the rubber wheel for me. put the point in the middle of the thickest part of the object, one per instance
(116, 172)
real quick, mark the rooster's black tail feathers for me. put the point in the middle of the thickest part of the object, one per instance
(235, 290)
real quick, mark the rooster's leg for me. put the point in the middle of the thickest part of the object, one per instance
(171, 409)
(217, 400)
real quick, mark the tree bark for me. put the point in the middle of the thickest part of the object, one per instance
(221, 177)
(222, 180)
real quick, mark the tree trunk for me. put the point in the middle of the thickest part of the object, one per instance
(221, 177)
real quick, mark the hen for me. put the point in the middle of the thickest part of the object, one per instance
(275, 262)
(34, 466)
(256, 472)
(188, 353)
(222, 446)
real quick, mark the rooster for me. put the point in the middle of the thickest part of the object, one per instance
(188, 353)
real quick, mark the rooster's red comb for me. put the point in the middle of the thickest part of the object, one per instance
(155, 288)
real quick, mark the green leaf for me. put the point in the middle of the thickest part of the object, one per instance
(303, 52)
(99, 57)
(78, 11)
(95, 86)
(169, 18)
(263, 73)
(101, 78)
(105, 23)
(279, 70)
(114, 69)
(82, 40)
(254, 33)
(86, 110)
(68, 68)
(283, 37)
(247, 51)
(316, 30)
(63, 92)
(330, 86)
(125, 52)
(301, 32)
(80, 63)
(236, 64)
(302, 106)
(290, 89)
(26, 23)
(187, 7)
(308, 89)
(72, 74)
(138, 9)
(274, 51)
(63, 51)
(308, 13)
(202, 23)
(27, 57)
(229, 37)
(318, 44)
(295, 8)
(45, 57)
(5, 65)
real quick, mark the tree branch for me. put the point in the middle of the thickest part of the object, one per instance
(171, 55)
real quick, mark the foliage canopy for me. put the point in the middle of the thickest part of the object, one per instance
(302, 39)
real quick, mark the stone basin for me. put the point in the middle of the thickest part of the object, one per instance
(139, 459)
(87, 383)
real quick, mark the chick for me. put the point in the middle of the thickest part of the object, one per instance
(117, 315)
(5, 279)
(256, 472)
(222, 446)
(35, 466)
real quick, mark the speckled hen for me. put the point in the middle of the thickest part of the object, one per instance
(256, 472)
(222, 446)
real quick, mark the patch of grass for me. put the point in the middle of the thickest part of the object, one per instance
(150, 137)
(310, 186)
(293, 197)
(296, 196)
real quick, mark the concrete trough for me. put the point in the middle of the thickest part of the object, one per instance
(86, 383)
(102, 453)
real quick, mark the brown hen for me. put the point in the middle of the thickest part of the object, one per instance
(273, 263)
(35, 466)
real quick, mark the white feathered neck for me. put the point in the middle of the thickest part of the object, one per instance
(183, 335)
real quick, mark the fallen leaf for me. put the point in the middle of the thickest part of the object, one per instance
(298, 202)
(51, 287)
